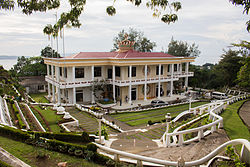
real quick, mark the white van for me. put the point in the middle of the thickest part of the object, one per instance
(219, 95)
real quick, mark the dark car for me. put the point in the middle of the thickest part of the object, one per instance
(156, 103)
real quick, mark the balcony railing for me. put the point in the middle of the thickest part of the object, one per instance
(136, 81)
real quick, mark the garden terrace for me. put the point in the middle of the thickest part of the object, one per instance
(47, 117)
(156, 115)
(39, 97)
(87, 122)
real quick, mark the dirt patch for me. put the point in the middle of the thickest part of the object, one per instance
(245, 113)
(193, 151)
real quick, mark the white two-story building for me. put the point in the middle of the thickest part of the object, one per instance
(129, 74)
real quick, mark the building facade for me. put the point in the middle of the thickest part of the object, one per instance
(128, 74)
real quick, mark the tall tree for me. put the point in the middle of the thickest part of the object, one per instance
(33, 66)
(142, 43)
(49, 52)
(243, 77)
(228, 67)
(182, 49)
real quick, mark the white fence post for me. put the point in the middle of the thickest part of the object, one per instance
(180, 139)
(200, 134)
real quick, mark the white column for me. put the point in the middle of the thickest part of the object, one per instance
(181, 68)
(49, 92)
(130, 86)
(113, 78)
(58, 87)
(172, 82)
(159, 82)
(186, 71)
(93, 78)
(74, 95)
(145, 84)
(53, 87)
(47, 69)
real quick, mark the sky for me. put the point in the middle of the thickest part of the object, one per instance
(212, 25)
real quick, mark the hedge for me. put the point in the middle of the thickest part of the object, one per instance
(20, 121)
(66, 137)
(15, 134)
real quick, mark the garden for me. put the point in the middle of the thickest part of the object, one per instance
(155, 115)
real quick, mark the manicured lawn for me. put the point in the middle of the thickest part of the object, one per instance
(39, 97)
(51, 117)
(28, 153)
(142, 117)
(232, 123)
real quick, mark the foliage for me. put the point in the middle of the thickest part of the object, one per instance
(99, 87)
(66, 137)
(142, 44)
(231, 153)
(104, 132)
(32, 66)
(39, 97)
(49, 52)
(243, 76)
(246, 6)
(4, 164)
(223, 74)
(182, 49)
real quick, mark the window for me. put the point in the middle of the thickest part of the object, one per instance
(157, 70)
(49, 69)
(60, 69)
(133, 71)
(79, 73)
(40, 87)
(65, 72)
(169, 68)
(97, 71)
(117, 71)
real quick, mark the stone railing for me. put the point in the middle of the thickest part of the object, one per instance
(149, 161)
(22, 116)
(215, 108)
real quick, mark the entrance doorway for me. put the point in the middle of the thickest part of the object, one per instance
(133, 94)
(79, 96)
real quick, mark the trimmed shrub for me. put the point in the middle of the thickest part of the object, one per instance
(91, 147)
(66, 137)
(15, 134)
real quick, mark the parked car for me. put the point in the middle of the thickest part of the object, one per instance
(156, 103)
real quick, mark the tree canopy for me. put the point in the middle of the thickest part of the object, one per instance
(142, 43)
(182, 49)
(31, 66)
(49, 52)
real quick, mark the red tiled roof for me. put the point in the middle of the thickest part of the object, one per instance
(119, 55)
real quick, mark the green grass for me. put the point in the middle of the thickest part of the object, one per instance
(39, 97)
(51, 118)
(142, 117)
(28, 153)
(232, 123)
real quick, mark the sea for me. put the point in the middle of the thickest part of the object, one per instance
(8, 61)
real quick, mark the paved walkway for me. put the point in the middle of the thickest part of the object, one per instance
(245, 113)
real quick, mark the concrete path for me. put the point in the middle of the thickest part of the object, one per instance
(245, 113)
(11, 159)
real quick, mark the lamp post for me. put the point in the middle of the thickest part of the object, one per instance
(99, 118)
(168, 120)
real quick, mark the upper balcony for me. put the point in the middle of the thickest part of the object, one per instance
(134, 81)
